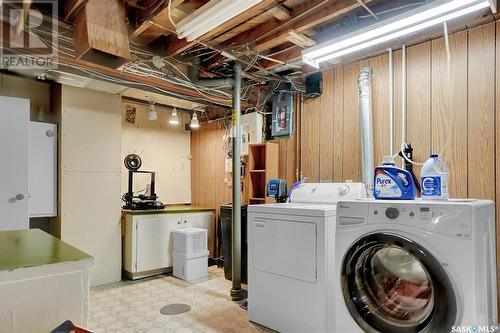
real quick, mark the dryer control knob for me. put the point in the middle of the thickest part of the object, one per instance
(344, 189)
(392, 213)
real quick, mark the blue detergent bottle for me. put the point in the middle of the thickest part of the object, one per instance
(393, 183)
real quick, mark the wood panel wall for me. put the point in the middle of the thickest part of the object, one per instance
(328, 135)
(472, 153)
(330, 124)
(208, 187)
(207, 166)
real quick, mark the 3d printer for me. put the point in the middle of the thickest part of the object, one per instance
(141, 201)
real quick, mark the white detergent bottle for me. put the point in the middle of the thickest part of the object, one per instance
(434, 179)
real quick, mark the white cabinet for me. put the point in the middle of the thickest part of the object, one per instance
(148, 245)
(14, 164)
(28, 184)
(43, 282)
(43, 169)
(152, 235)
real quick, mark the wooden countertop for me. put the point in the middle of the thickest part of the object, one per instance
(169, 209)
(28, 248)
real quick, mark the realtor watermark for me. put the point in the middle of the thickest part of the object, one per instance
(28, 36)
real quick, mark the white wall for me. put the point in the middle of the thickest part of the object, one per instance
(163, 148)
(90, 178)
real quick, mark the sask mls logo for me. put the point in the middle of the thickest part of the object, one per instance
(474, 329)
(28, 35)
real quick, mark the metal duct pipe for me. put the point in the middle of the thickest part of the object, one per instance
(194, 76)
(236, 292)
(403, 100)
(365, 118)
(391, 104)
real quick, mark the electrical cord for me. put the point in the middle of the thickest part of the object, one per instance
(170, 13)
(204, 91)
(451, 114)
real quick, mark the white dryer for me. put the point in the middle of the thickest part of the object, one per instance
(290, 258)
(416, 266)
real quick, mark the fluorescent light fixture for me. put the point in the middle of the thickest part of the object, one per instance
(211, 15)
(405, 24)
(152, 113)
(174, 118)
(194, 121)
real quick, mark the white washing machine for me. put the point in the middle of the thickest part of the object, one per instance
(416, 266)
(290, 258)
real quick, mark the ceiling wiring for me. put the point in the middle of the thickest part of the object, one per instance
(137, 68)
(365, 6)
(141, 64)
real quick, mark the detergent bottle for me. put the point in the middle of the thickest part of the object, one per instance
(434, 179)
(393, 183)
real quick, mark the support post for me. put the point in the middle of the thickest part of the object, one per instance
(236, 292)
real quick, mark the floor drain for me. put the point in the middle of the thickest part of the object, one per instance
(174, 309)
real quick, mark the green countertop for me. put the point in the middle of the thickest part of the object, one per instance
(28, 248)
(170, 209)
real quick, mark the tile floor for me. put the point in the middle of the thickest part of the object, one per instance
(134, 306)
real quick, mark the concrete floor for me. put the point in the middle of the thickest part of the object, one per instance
(134, 306)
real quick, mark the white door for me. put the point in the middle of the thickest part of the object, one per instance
(14, 163)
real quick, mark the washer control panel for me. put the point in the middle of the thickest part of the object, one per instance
(392, 213)
(452, 220)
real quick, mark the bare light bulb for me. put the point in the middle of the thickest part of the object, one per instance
(174, 118)
(194, 121)
(152, 113)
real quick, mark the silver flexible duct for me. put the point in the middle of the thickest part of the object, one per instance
(366, 127)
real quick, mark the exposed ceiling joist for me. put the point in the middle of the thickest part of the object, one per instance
(284, 57)
(175, 47)
(281, 13)
(71, 8)
(300, 39)
(326, 13)
(304, 16)
(270, 25)
(253, 22)
(151, 27)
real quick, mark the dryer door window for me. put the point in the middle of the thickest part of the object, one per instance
(392, 284)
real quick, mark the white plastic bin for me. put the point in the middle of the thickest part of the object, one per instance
(190, 254)
(190, 241)
(191, 268)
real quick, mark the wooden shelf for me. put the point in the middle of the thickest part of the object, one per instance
(257, 201)
(263, 165)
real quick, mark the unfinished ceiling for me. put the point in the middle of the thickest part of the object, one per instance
(136, 43)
